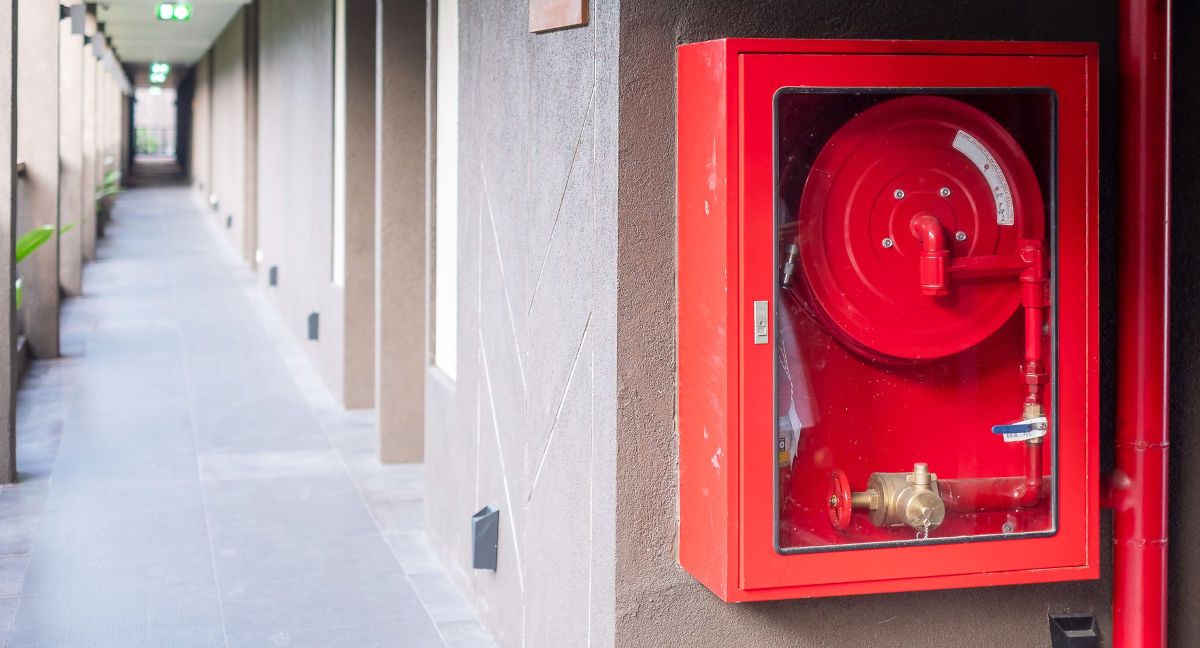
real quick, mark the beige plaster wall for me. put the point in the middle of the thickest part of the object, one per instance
(201, 166)
(250, 141)
(358, 203)
(88, 225)
(295, 176)
(8, 203)
(38, 190)
(228, 134)
(70, 153)
(400, 231)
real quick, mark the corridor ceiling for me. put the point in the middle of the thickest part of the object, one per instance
(140, 38)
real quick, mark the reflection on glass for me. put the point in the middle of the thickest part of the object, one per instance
(914, 316)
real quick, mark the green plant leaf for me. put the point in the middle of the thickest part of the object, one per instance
(111, 178)
(105, 192)
(32, 240)
(66, 228)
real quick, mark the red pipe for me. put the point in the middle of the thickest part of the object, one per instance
(1035, 300)
(972, 495)
(1137, 489)
(976, 494)
(928, 230)
(1031, 492)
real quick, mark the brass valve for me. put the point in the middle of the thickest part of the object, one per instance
(903, 499)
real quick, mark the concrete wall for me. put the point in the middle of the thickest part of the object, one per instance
(295, 175)
(37, 147)
(528, 424)
(228, 133)
(70, 139)
(657, 602)
(1184, 559)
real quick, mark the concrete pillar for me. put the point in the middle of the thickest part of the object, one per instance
(70, 152)
(356, 111)
(228, 130)
(400, 229)
(8, 198)
(37, 147)
(102, 119)
(250, 51)
(88, 214)
(201, 165)
(125, 125)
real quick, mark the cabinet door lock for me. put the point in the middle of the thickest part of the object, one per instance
(760, 322)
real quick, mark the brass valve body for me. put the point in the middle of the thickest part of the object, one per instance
(903, 499)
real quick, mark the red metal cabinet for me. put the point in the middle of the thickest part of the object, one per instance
(887, 318)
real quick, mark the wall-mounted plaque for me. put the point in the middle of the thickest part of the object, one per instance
(547, 15)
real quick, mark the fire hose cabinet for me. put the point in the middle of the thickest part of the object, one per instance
(887, 315)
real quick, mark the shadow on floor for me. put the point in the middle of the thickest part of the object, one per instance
(155, 171)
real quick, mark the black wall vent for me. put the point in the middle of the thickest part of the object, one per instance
(485, 538)
(1074, 631)
(314, 323)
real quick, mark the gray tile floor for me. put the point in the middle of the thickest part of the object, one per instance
(187, 480)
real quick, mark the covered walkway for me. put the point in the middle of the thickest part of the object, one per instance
(187, 480)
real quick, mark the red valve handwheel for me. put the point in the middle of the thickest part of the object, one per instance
(862, 259)
(838, 499)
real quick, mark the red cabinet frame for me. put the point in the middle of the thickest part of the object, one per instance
(726, 388)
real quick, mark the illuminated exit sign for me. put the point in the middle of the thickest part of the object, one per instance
(179, 11)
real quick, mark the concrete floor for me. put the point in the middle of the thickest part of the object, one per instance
(186, 479)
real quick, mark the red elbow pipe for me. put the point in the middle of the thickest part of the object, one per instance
(1137, 489)
(973, 495)
(977, 494)
(928, 230)
(1031, 492)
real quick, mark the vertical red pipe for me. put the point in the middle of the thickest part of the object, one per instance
(1138, 488)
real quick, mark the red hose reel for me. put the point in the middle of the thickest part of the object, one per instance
(919, 234)
(909, 213)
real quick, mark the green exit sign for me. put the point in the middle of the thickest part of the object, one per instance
(174, 11)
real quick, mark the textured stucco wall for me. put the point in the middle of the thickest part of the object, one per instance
(1185, 336)
(37, 147)
(228, 152)
(295, 174)
(528, 423)
(358, 74)
(399, 235)
(657, 602)
(70, 155)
